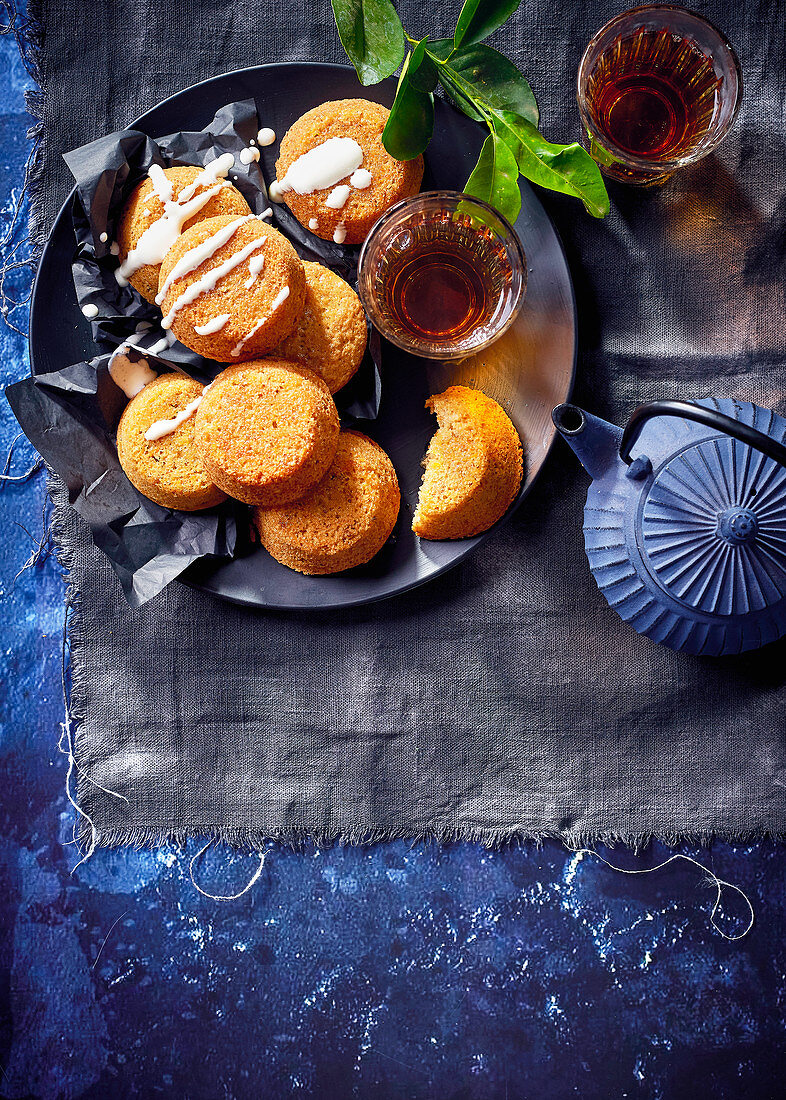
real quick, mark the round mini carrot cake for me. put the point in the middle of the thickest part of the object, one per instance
(231, 288)
(331, 334)
(334, 173)
(267, 431)
(166, 468)
(167, 201)
(473, 466)
(347, 518)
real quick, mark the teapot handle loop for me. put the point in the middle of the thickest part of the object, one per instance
(686, 410)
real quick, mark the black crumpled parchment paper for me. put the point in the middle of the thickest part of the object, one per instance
(70, 415)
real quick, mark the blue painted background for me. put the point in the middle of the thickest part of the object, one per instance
(390, 972)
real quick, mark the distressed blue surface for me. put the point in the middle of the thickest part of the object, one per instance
(390, 972)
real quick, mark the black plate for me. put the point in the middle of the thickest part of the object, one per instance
(529, 370)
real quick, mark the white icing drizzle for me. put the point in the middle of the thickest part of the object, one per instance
(275, 194)
(323, 166)
(282, 296)
(90, 311)
(162, 186)
(360, 178)
(255, 265)
(114, 248)
(210, 279)
(340, 233)
(131, 377)
(266, 136)
(248, 155)
(159, 237)
(215, 324)
(162, 428)
(192, 259)
(143, 326)
(104, 238)
(313, 223)
(166, 341)
(337, 199)
(218, 169)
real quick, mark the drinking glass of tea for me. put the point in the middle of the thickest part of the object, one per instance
(442, 275)
(658, 88)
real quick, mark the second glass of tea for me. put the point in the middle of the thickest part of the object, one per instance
(442, 275)
(658, 88)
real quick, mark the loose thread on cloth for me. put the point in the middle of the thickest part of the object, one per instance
(67, 735)
(712, 879)
(225, 897)
(6, 477)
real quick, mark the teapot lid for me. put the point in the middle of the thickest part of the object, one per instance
(688, 543)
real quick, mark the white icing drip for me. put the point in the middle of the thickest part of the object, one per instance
(162, 186)
(275, 193)
(337, 199)
(162, 428)
(143, 326)
(159, 237)
(130, 377)
(166, 341)
(215, 324)
(255, 265)
(218, 169)
(114, 248)
(266, 136)
(282, 296)
(249, 155)
(104, 238)
(90, 311)
(313, 223)
(209, 280)
(192, 259)
(340, 233)
(323, 166)
(361, 178)
(166, 427)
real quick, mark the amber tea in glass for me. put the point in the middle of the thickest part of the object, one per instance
(658, 89)
(442, 275)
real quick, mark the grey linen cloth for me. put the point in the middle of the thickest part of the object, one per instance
(505, 699)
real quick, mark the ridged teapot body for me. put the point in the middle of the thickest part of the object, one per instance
(685, 532)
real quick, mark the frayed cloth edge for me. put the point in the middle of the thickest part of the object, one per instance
(295, 838)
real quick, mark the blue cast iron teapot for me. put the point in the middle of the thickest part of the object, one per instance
(685, 521)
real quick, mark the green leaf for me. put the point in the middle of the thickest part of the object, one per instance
(409, 128)
(568, 169)
(422, 70)
(494, 81)
(480, 18)
(495, 178)
(372, 35)
(459, 92)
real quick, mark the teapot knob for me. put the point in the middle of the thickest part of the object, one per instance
(737, 525)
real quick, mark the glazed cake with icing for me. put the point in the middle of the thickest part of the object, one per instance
(231, 288)
(334, 173)
(167, 201)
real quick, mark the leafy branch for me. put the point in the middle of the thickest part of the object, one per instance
(483, 84)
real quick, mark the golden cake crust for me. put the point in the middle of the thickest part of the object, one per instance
(331, 334)
(168, 471)
(143, 207)
(267, 431)
(246, 305)
(344, 521)
(391, 180)
(473, 466)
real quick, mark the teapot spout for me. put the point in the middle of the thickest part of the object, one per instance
(595, 441)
